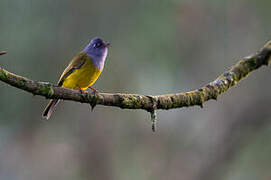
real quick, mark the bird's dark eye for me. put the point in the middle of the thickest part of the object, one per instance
(97, 45)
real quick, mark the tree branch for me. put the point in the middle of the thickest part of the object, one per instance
(148, 103)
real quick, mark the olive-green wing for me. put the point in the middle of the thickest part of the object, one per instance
(76, 63)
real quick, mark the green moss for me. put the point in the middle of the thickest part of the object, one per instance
(131, 101)
(251, 63)
(47, 90)
(3, 75)
(201, 100)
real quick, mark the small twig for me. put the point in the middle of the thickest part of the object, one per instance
(153, 120)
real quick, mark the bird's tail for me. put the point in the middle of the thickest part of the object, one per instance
(50, 108)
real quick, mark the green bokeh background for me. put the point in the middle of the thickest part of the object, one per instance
(157, 47)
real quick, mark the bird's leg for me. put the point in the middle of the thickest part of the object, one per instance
(95, 91)
(81, 90)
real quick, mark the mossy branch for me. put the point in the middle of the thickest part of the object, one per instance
(148, 103)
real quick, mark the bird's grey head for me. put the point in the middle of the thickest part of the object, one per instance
(97, 51)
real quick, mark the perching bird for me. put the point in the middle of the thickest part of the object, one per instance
(83, 70)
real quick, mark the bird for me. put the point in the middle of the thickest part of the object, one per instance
(82, 71)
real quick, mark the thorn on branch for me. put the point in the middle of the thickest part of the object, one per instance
(93, 102)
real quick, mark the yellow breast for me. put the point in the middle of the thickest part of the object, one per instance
(83, 77)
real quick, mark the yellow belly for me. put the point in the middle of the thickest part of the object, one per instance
(83, 77)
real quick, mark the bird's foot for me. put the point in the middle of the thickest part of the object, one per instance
(82, 91)
(95, 91)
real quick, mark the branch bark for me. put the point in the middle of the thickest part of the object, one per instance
(148, 103)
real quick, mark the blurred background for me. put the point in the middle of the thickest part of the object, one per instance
(157, 47)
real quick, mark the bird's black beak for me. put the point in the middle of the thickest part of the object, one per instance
(106, 44)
